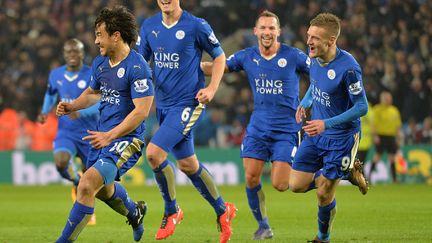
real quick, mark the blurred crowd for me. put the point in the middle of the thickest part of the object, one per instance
(391, 39)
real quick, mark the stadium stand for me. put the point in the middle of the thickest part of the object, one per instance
(391, 39)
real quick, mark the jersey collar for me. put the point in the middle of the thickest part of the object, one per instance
(173, 24)
(270, 57)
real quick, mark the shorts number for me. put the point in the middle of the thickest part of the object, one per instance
(186, 114)
(346, 161)
(119, 146)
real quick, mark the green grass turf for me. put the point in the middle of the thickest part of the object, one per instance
(389, 213)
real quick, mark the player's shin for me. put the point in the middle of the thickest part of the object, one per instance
(165, 178)
(204, 183)
(78, 218)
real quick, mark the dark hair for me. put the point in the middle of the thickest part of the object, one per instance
(121, 20)
(75, 42)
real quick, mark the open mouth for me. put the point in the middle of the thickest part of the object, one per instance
(165, 2)
(267, 38)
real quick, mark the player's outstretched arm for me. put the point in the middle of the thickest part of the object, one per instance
(141, 111)
(205, 95)
(87, 98)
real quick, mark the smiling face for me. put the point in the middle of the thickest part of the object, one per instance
(322, 36)
(319, 41)
(73, 53)
(267, 31)
(168, 6)
(103, 40)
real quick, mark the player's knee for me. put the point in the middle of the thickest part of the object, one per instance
(188, 166)
(61, 165)
(187, 169)
(323, 195)
(153, 159)
(280, 186)
(252, 180)
(85, 189)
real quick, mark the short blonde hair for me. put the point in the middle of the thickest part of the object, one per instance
(267, 13)
(328, 21)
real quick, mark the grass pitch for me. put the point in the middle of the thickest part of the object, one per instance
(389, 213)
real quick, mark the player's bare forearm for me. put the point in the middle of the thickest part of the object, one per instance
(206, 95)
(134, 118)
(217, 71)
(87, 98)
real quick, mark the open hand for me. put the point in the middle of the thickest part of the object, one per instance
(97, 139)
(314, 127)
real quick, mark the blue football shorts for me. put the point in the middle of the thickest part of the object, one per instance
(334, 155)
(276, 146)
(116, 159)
(175, 132)
(72, 143)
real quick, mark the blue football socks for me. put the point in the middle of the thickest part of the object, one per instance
(256, 200)
(326, 215)
(165, 178)
(120, 202)
(204, 183)
(78, 219)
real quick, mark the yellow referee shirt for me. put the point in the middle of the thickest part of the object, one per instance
(387, 120)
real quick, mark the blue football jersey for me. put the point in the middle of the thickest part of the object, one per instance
(69, 86)
(335, 87)
(275, 86)
(176, 52)
(119, 85)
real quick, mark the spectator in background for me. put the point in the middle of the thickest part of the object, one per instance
(411, 132)
(376, 40)
(386, 127)
(416, 103)
(425, 133)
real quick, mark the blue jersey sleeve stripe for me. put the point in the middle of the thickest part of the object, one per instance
(90, 111)
(216, 52)
(359, 109)
(49, 101)
(306, 102)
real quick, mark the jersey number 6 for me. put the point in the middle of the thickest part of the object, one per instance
(186, 114)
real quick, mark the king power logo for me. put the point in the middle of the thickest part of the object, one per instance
(268, 86)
